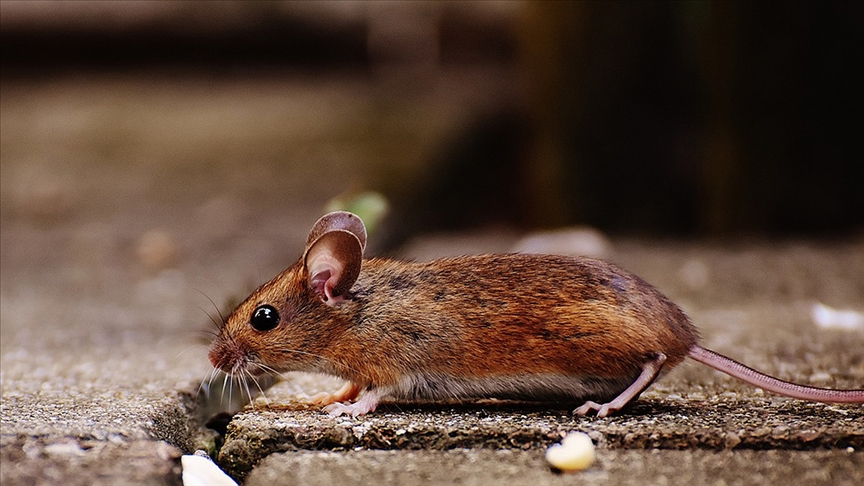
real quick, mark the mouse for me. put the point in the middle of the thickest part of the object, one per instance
(504, 326)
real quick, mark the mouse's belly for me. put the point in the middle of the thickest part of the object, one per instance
(538, 387)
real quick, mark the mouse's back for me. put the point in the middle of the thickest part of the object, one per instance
(501, 315)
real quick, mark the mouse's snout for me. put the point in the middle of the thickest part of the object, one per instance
(215, 358)
(226, 355)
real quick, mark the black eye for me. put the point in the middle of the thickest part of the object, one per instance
(264, 318)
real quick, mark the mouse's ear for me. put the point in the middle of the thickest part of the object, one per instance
(338, 220)
(334, 254)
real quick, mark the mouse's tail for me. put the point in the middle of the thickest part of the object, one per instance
(771, 384)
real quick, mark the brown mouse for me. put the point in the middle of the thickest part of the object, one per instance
(514, 326)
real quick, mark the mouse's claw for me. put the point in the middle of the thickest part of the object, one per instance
(588, 407)
(338, 409)
(602, 410)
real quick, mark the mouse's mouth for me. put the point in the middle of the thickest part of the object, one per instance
(234, 359)
(243, 369)
(244, 366)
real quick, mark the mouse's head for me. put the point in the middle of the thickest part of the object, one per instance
(287, 322)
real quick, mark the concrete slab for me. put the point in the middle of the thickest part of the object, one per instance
(40, 460)
(684, 422)
(515, 467)
(92, 405)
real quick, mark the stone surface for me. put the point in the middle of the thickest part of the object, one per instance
(690, 422)
(30, 459)
(514, 467)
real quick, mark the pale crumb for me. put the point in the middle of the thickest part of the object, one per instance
(820, 377)
(578, 241)
(201, 471)
(830, 318)
(574, 453)
(695, 274)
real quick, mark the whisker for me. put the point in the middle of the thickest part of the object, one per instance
(201, 386)
(214, 375)
(212, 319)
(188, 348)
(241, 385)
(208, 386)
(219, 312)
(225, 384)
(248, 378)
(258, 384)
(270, 369)
(215, 371)
(206, 332)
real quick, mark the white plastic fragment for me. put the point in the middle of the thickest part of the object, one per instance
(574, 453)
(201, 471)
(830, 318)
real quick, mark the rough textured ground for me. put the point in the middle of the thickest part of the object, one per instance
(692, 424)
(472, 467)
(128, 205)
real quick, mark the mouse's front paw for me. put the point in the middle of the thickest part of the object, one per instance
(366, 404)
(323, 399)
(352, 409)
(346, 393)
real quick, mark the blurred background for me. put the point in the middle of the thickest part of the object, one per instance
(704, 118)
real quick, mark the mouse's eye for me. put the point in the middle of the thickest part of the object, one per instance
(264, 318)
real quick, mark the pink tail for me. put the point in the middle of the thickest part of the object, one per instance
(771, 384)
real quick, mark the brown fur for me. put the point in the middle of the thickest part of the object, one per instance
(475, 316)
(504, 326)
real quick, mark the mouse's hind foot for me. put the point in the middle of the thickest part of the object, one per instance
(650, 370)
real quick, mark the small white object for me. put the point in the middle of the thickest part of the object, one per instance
(574, 453)
(201, 471)
(577, 241)
(694, 274)
(70, 448)
(830, 318)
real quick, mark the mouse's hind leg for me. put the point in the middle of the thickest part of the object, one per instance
(650, 370)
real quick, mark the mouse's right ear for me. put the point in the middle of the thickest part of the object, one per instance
(334, 254)
(338, 220)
